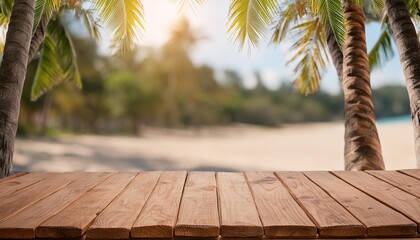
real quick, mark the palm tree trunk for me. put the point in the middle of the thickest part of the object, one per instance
(409, 50)
(362, 146)
(335, 52)
(12, 75)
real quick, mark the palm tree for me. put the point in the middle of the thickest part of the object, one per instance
(32, 22)
(362, 146)
(408, 45)
(12, 75)
(318, 25)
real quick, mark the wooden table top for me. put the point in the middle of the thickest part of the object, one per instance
(179, 204)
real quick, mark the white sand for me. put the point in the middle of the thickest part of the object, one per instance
(293, 147)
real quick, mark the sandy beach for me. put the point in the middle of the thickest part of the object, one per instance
(317, 146)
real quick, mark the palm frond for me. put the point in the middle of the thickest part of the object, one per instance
(375, 7)
(249, 20)
(91, 24)
(359, 3)
(331, 13)
(58, 61)
(189, 4)
(382, 50)
(413, 6)
(310, 56)
(123, 19)
(4, 20)
(290, 14)
(51, 6)
(39, 10)
(6, 7)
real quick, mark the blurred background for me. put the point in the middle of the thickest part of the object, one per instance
(187, 98)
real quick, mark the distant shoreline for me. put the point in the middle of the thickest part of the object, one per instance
(395, 119)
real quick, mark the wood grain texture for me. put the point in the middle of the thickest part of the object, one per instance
(20, 200)
(9, 186)
(238, 213)
(198, 214)
(75, 219)
(332, 219)
(23, 224)
(280, 214)
(158, 217)
(379, 219)
(400, 180)
(411, 172)
(19, 174)
(116, 220)
(395, 198)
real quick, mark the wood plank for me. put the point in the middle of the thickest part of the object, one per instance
(116, 220)
(198, 214)
(19, 174)
(415, 173)
(157, 219)
(399, 180)
(76, 218)
(395, 198)
(12, 185)
(238, 213)
(332, 219)
(22, 199)
(379, 219)
(280, 214)
(23, 224)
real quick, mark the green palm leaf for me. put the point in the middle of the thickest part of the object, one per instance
(375, 6)
(51, 6)
(123, 19)
(331, 13)
(4, 20)
(249, 19)
(58, 61)
(310, 55)
(39, 10)
(382, 50)
(6, 7)
(413, 6)
(91, 24)
(291, 14)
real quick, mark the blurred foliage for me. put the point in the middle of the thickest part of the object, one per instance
(163, 88)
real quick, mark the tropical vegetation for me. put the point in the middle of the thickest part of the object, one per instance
(37, 26)
(33, 22)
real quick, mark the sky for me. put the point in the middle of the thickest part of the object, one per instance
(217, 50)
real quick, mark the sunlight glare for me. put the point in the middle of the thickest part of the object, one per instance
(160, 18)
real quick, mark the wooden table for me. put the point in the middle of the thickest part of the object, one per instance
(373, 204)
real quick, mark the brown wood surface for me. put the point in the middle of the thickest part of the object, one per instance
(411, 172)
(116, 220)
(332, 219)
(280, 214)
(200, 205)
(379, 219)
(384, 192)
(400, 180)
(20, 200)
(238, 213)
(12, 185)
(158, 217)
(19, 174)
(23, 224)
(198, 214)
(75, 219)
